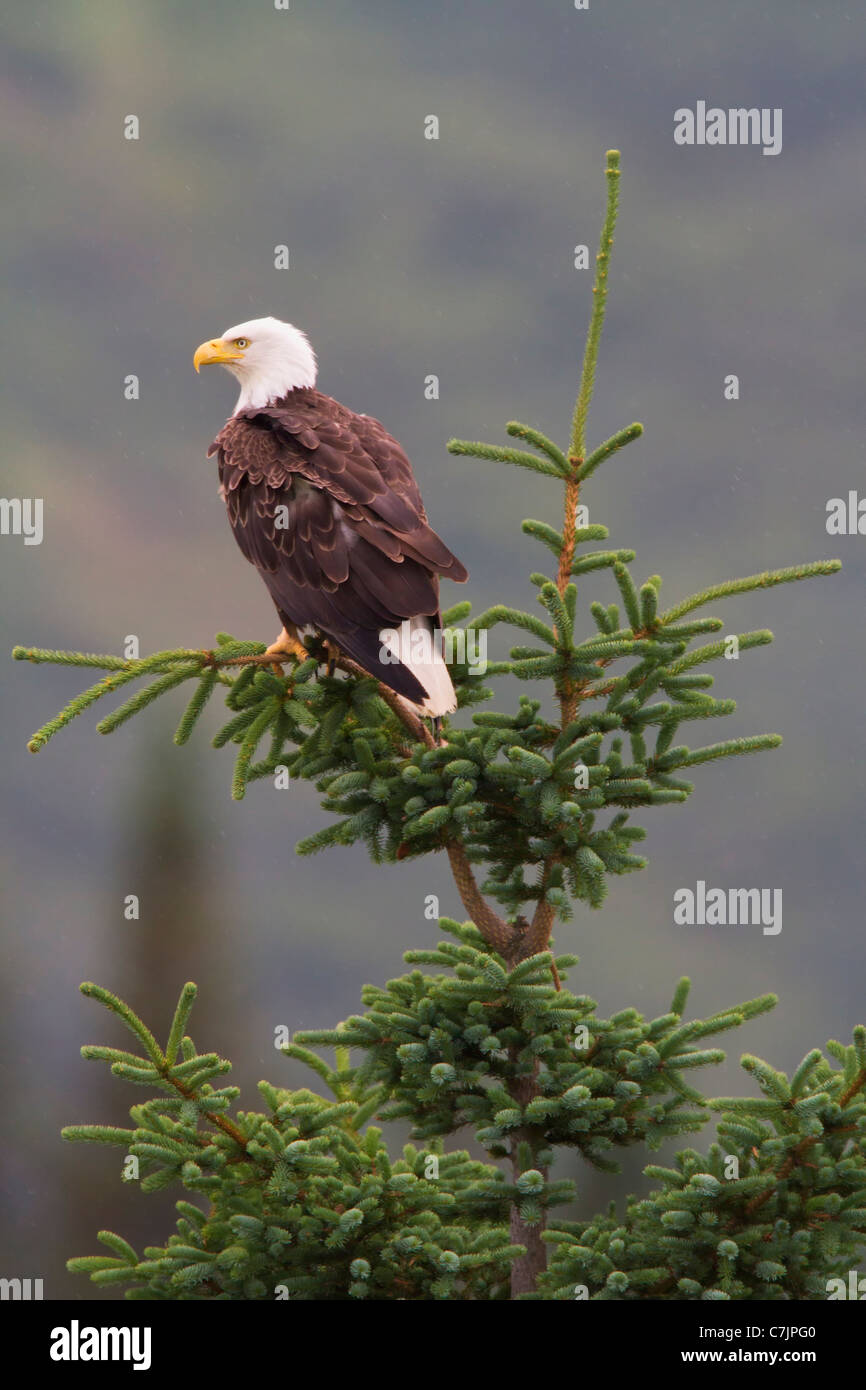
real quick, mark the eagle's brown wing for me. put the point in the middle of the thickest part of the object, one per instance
(324, 503)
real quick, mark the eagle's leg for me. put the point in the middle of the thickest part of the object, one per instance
(286, 644)
(333, 653)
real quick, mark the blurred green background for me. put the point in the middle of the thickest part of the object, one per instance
(409, 257)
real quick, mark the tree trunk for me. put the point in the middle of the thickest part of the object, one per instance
(526, 1269)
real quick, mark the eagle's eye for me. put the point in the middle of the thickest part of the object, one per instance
(242, 342)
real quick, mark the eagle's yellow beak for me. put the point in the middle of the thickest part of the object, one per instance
(215, 351)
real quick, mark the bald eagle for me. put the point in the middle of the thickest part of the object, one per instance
(325, 504)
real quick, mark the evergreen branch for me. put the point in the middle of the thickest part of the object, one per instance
(146, 697)
(544, 533)
(318, 1064)
(601, 559)
(556, 606)
(714, 650)
(97, 1134)
(610, 446)
(205, 689)
(125, 670)
(648, 607)
(163, 1071)
(754, 581)
(631, 602)
(595, 532)
(39, 656)
(78, 705)
(541, 441)
(179, 1021)
(568, 689)
(577, 447)
(681, 996)
(501, 453)
(732, 748)
(229, 732)
(499, 613)
(250, 742)
(129, 1018)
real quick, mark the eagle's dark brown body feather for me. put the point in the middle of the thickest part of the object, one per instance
(352, 552)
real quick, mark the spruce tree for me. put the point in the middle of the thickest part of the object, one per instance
(533, 807)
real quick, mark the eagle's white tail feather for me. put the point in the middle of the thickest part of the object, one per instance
(425, 660)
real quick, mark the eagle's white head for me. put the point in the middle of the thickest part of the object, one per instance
(268, 357)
